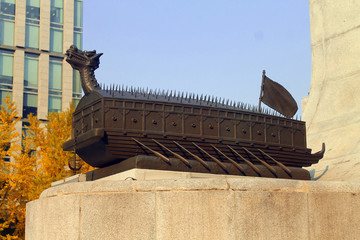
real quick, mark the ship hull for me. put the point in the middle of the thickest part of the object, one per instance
(108, 130)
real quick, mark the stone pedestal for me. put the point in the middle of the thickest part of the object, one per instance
(207, 208)
(331, 110)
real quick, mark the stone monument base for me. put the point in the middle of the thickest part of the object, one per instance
(205, 208)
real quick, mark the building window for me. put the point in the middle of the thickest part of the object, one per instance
(55, 84)
(76, 87)
(33, 9)
(56, 26)
(7, 7)
(57, 11)
(32, 36)
(3, 94)
(7, 22)
(31, 68)
(6, 74)
(26, 133)
(78, 13)
(78, 39)
(30, 104)
(55, 74)
(56, 40)
(6, 67)
(54, 104)
(78, 24)
(32, 24)
(25, 126)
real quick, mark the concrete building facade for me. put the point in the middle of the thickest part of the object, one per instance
(34, 34)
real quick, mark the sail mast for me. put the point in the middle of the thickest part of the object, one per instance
(261, 90)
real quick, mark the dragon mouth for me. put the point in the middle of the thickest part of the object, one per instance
(78, 59)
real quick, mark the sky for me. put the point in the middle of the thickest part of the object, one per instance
(210, 47)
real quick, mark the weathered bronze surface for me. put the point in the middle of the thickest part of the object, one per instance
(277, 97)
(114, 124)
(152, 162)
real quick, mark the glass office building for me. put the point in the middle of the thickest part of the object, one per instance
(34, 34)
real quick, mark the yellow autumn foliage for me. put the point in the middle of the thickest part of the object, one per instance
(38, 160)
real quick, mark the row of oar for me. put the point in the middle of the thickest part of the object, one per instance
(217, 161)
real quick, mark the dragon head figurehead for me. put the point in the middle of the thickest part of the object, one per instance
(82, 59)
(86, 62)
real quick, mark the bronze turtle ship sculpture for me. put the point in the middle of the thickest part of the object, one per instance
(133, 128)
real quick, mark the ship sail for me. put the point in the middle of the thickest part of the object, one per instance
(277, 97)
